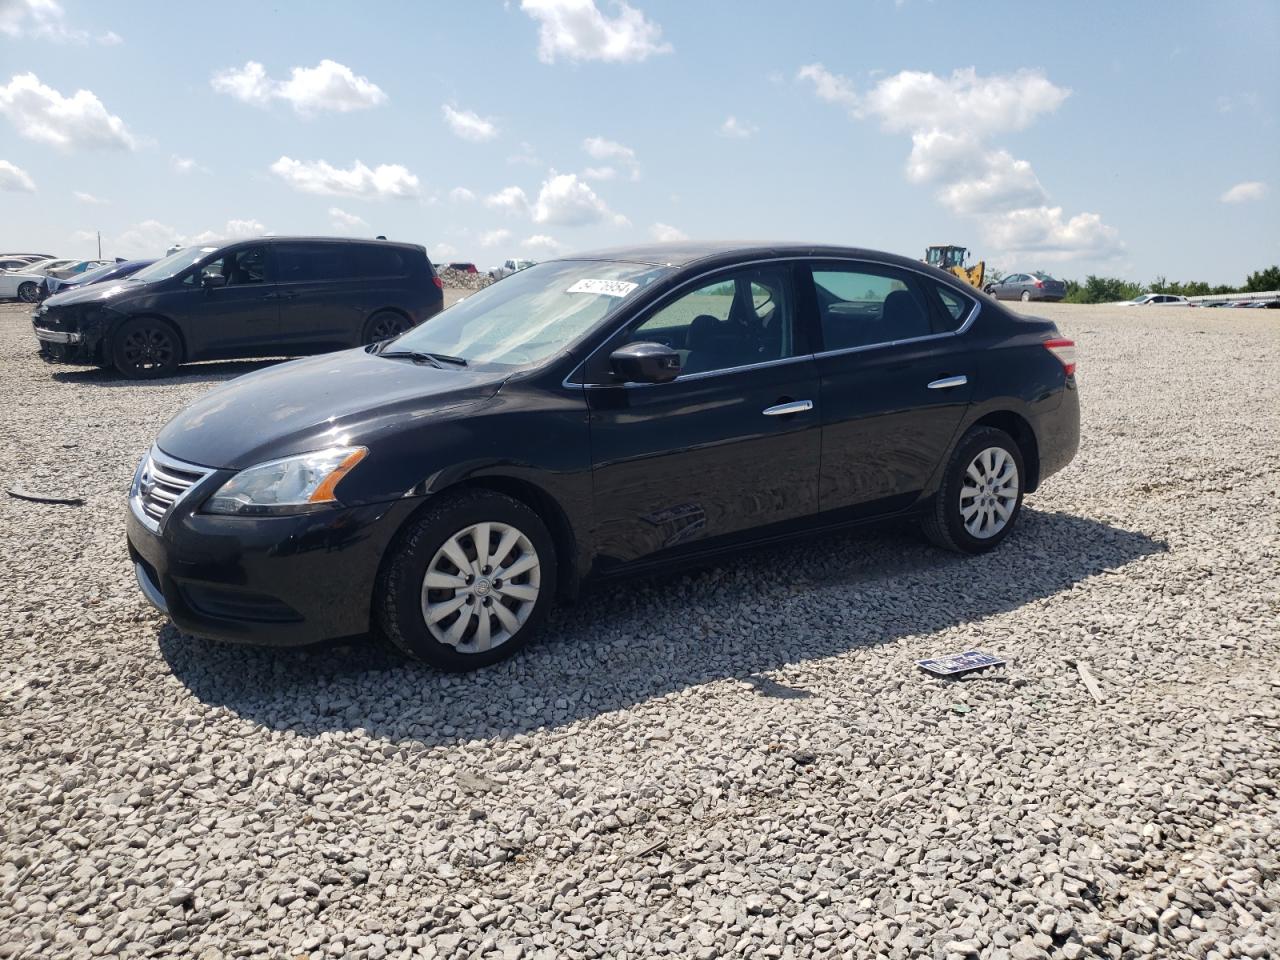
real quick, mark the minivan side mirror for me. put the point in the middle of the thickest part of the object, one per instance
(211, 280)
(644, 362)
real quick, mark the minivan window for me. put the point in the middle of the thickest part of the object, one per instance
(240, 267)
(378, 261)
(304, 262)
(173, 264)
(531, 314)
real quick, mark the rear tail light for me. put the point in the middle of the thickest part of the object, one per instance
(438, 282)
(1040, 284)
(1065, 351)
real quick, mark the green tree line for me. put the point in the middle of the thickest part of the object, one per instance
(1096, 289)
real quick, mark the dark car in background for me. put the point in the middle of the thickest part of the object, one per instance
(51, 285)
(269, 297)
(1027, 286)
(463, 266)
(590, 418)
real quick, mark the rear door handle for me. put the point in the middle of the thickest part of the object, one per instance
(946, 383)
(786, 409)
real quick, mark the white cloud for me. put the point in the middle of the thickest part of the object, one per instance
(1245, 192)
(577, 30)
(829, 86)
(508, 200)
(541, 243)
(469, 125)
(88, 198)
(45, 20)
(601, 149)
(41, 113)
(599, 173)
(736, 129)
(567, 201)
(151, 238)
(951, 121)
(495, 237)
(187, 165)
(665, 233)
(526, 155)
(442, 251)
(232, 230)
(13, 178)
(461, 195)
(318, 176)
(328, 85)
(341, 220)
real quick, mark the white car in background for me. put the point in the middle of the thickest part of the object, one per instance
(510, 267)
(24, 284)
(1157, 299)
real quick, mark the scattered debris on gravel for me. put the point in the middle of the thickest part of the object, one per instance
(458, 280)
(742, 761)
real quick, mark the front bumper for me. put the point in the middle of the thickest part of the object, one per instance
(273, 581)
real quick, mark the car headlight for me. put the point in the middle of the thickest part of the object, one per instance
(296, 484)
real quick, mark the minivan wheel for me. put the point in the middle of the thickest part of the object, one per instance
(469, 582)
(981, 493)
(28, 292)
(1026, 296)
(145, 348)
(384, 326)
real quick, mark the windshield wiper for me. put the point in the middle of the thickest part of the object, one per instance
(437, 360)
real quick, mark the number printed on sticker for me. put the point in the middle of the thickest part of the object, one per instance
(604, 288)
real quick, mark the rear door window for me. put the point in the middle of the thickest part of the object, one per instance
(866, 305)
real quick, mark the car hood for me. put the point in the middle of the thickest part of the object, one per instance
(103, 292)
(349, 397)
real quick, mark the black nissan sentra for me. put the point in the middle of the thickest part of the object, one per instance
(591, 417)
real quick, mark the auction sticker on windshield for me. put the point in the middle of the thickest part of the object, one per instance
(605, 288)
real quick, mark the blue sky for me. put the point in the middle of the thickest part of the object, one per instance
(1132, 139)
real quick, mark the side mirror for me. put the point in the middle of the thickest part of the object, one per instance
(211, 280)
(645, 363)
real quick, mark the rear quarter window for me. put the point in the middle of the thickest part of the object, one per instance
(379, 261)
(955, 306)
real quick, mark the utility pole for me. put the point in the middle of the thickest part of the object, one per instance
(99, 244)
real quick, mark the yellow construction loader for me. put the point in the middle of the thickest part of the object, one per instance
(951, 258)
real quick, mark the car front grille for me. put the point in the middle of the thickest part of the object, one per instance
(159, 485)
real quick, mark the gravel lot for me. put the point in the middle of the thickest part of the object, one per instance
(741, 761)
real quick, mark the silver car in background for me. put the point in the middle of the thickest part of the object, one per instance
(1027, 286)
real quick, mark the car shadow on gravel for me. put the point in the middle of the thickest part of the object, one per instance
(210, 371)
(642, 639)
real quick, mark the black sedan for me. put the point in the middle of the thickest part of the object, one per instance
(52, 286)
(589, 418)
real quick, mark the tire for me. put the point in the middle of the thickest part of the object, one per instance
(466, 595)
(28, 292)
(384, 325)
(1026, 296)
(146, 348)
(950, 522)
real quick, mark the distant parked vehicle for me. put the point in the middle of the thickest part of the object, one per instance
(1157, 299)
(269, 297)
(15, 263)
(1027, 286)
(24, 284)
(463, 267)
(26, 256)
(510, 267)
(52, 286)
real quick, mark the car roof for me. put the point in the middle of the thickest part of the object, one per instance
(685, 253)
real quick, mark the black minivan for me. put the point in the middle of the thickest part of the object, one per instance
(267, 297)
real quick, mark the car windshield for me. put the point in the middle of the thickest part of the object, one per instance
(532, 314)
(173, 264)
(96, 273)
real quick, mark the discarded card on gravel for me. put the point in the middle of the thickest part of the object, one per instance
(959, 663)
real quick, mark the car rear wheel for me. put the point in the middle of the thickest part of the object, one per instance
(470, 581)
(1026, 295)
(146, 348)
(384, 326)
(28, 292)
(981, 494)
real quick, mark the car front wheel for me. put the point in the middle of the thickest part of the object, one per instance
(145, 348)
(469, 583)
(981, 494)
(1026, 296)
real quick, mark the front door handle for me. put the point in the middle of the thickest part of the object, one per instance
(946, 383)
(786, 409)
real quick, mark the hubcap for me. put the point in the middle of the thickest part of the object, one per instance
(147, 348)
(481, 587)
(990, 492)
